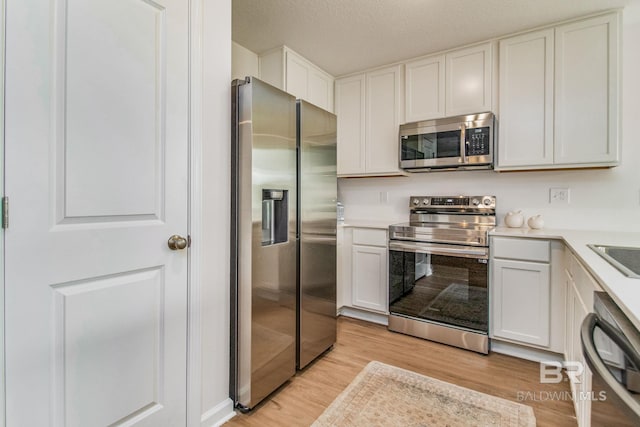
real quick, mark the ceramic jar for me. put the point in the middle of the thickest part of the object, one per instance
(536, 222)
(514, 219)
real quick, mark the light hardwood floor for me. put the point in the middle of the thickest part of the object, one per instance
(300, 401)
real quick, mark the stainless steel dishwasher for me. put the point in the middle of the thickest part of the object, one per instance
(611, 346)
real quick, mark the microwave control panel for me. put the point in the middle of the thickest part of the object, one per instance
(478, 141)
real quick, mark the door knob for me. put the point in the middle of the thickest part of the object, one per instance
(177, 243)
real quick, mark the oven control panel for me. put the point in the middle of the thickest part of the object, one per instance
(459, 202)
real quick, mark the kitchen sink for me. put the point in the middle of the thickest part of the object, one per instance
(627, 260)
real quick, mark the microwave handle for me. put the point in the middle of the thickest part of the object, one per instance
(463, 142)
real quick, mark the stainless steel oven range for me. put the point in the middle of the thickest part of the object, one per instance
(439, 270)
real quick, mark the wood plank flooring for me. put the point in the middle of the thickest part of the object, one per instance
(300, 401)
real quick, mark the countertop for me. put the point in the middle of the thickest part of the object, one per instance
(625, 291)
(365, 223)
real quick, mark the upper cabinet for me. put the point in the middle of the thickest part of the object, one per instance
(526, 100)
(350, 109)
(586, 82)
(468, 81)
(369, 108)
(458, 82)
(287, 70)
(559, 92)
(424, 91)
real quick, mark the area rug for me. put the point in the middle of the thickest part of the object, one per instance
(383, 395)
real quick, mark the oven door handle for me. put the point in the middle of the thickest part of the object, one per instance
(598, 366)
(440, 249)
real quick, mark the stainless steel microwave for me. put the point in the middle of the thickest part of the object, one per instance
(462, 142)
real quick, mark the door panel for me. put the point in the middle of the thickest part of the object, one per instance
(101, 82)
(112, 326)
(96, 170)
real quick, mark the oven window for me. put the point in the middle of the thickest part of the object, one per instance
(443, 289)
(435, 145)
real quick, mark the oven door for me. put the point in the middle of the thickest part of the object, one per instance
(444, 284)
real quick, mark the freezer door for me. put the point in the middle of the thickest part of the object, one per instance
(264, 261)
(317, 205)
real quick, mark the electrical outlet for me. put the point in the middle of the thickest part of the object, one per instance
(384, 197)
(559, 196)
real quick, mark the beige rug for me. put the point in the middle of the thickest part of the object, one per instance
(383, 395)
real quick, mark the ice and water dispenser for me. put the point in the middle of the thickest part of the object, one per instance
(275, 216)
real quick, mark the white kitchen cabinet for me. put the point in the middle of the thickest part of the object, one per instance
(521, 295)
(424, 89)
(289, 71)
(580, 286)
(364, 274)
(458, 82)
(527, 296)
(526, 100)
(468, 80)
(369, 277)
(369, 109)
(350, 112)
(559, 97)
(587, 88)
(383, 116)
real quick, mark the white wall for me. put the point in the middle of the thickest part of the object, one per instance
(243, 62)
(599, 199)
(215, 404)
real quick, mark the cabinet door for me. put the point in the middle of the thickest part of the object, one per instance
(384, 107)
(424, 90)
(320, 89)
(586, 95)
(521, 308)
(296, 76)
(583, 406)
(468, 81)
(526, 100)
(568, 319)
(369, 277)
(350, 109)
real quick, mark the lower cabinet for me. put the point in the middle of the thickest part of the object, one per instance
(527, 296)
(580, 287)
(369, 277)
(521, 290)
(363, 279)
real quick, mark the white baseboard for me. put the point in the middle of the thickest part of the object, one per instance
(218, 415)
(524, 352)
(369, 316)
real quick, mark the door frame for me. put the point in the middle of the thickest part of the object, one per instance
(2, 191)
(194, 220)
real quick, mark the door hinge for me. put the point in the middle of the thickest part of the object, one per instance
(5, 212)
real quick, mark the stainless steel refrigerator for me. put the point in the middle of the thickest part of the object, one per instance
(283, 238)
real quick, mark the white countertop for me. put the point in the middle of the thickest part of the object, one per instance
(364, 223)
(623, 290)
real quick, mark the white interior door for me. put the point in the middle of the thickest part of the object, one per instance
(96, 173)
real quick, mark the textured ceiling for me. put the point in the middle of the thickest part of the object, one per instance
(344, 36)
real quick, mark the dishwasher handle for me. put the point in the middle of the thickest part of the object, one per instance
(598, 366)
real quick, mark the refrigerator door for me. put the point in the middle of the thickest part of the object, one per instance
(263, 234)
(317, 222)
